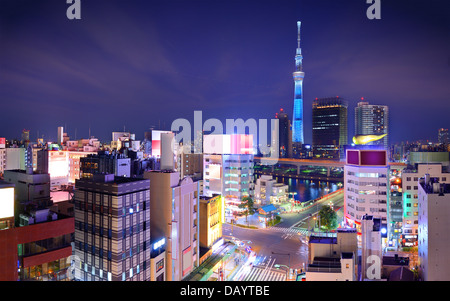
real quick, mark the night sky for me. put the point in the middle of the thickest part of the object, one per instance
(143, 64)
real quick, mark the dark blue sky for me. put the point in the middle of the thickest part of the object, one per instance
(139, 64)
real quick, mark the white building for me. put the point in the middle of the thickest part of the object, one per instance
(366, 186)
(174, 215)
(269, 191)
(333, 258)
(228, 168)
(15, 158)
(410, 189)
(2, 160)
(371, 247)
(434, 225)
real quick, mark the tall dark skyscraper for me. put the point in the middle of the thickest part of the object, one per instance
(284, 135)
(298, 75)
(329, 127)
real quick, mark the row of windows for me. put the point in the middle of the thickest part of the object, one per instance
(366, 174)
(44, 245)
(100, 252)
(107, 276)
(101, 231)
(101, 209)
(376, 184)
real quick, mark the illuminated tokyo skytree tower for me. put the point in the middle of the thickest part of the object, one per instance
(297, 120)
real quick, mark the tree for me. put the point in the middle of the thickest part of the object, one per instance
(247, 204)
(328, 217)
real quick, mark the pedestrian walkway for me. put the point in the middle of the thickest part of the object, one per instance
(264, 274)
(289, 230)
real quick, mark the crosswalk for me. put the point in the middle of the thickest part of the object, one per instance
(265, 274)
(288, 232)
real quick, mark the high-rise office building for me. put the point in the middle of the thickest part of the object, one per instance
(284, 135)
(372, 120)
(298, 75)
(443, 136)
(329, 127)
(112, 228)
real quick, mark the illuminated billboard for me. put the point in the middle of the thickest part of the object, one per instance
(6, 202)
(2, 142)
(156, 142)
(58, 164)
(367, 157)
(237, 144)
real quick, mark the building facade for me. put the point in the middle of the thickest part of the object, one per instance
(174, 208)
(105, 162)
(433, 236)
(40, 250)
(410, 195)
(112, 228)
(366, 186)
(211, 219)
(329, 127)
(269, 191)
(443, 136)
(372, 120)
(284, 135)
(228, 169)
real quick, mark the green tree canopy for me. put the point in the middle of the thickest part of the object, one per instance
(247, 204)
(328, 217)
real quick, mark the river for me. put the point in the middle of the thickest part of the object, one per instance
(306, 190)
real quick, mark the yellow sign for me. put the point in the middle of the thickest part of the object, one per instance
(364, 139)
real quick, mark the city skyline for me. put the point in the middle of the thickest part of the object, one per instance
(143, 64)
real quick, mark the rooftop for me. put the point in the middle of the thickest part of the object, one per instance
(325, 264)
(322, 240)
(432, 186)
(396, 260)
(401, 274)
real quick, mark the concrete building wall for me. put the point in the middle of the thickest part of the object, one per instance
(433, 235)
(174, 215)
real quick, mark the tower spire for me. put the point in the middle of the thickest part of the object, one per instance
(298, 53)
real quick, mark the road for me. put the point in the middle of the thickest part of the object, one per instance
(280, 246)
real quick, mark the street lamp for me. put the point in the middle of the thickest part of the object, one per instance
(289, 267)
